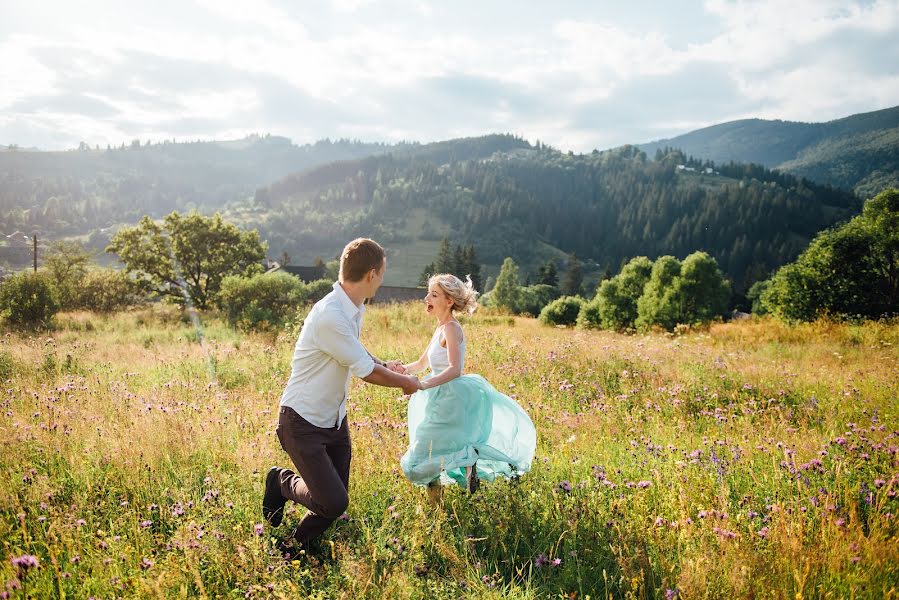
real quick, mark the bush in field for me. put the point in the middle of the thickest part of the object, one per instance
(28, 298)
(687, 293)
(67, 264)
(533, 298)
(261, 301)
(617, 297)
(590, 317)
(659, 304)
(106, 290)
(563, 311)
(848, 271)
(507, 291)
(318, 289)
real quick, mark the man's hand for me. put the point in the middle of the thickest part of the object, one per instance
(412, 385)
(396, 366)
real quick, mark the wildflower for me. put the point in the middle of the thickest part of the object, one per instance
(258, 529)
(145, 563)
(541, 560)
(145, 524)
(25, 562)
(80, 523)
(671, 594)
(565, 486)
(556, 562)
(644, 484)
(763, 532)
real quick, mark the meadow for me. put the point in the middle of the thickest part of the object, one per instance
(750, 459)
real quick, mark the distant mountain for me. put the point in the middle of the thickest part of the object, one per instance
(497, 192)
(536, 203)
(859, 153)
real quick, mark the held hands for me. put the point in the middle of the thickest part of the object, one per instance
(411, 385)
(396, 366)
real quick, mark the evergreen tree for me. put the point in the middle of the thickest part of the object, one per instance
(574, 277)
(446, 262)
(547, 274)
(506, 292)
(472, 267)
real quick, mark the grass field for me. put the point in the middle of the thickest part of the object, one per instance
(750, 460)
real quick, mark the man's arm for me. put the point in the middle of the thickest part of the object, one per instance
(383, 376)
(394, 365)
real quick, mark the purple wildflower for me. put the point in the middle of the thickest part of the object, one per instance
(541, 560)
(145, 563)
(25, 562)
(258, 529)
(565, 486)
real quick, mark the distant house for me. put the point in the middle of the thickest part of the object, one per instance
(385, 295)
(306, 274)
(393, 293)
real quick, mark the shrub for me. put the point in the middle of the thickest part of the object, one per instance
(617, 297)
(261, 301)
(590, 317)
(28, 298)
(562, 311)
(533, 298)
(107, 290)
(316, 290)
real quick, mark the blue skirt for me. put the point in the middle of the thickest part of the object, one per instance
(464, 421)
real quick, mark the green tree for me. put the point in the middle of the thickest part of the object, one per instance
(847, 271)
(701, 291)
(472, 267)
(506, 293)
(187, 256)
(659, 305)
(573, 279)
(548, 273)
(28, 298)
(446, 260)
(617, 297)
(67, 264)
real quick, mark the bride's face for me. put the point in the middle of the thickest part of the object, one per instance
(437, 303)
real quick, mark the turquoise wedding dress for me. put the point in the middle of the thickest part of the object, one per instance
(463, 421)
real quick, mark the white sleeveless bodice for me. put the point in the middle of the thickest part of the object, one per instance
(438, 359)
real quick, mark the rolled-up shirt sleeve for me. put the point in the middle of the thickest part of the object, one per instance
(335, 336)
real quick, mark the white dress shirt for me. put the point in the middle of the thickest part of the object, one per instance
(327, 352)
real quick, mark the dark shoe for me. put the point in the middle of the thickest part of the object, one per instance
(273, 502)
(472, 483)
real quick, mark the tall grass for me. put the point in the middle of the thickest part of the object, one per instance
(749, 460)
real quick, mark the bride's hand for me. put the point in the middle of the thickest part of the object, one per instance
(396, 366)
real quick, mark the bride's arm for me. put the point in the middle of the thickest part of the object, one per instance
(419, 365)
(453, 336)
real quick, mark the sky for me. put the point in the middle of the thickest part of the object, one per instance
(578, 75)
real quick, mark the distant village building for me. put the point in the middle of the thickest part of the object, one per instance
(385, 295)
(393, 293)
(306, 274)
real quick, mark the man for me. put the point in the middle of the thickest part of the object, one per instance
(312, 423)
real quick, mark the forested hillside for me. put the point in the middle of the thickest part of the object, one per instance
(606, 207)
(859, 152)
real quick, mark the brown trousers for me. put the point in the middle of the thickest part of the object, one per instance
(322, 481)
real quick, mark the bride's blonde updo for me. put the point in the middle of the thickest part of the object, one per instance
(463, 294)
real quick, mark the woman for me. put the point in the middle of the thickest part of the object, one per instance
(460, 426)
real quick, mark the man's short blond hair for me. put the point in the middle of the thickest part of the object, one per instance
(359, 257)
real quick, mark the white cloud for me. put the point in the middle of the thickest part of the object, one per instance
(407, 69)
